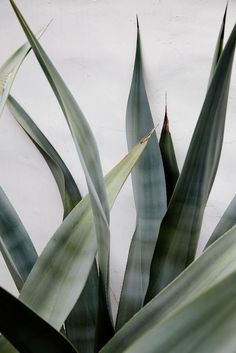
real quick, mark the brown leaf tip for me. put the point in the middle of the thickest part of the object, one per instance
(147, 137)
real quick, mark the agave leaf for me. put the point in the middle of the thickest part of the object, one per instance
(168, 157)
(219, 47)
(69, 191)
(213, 266)
(27, 331)
(15, 243)
(205, 324)
(90, 160)
(180, 228)
(10, 68)
(69, 255)
(81, 321)
(60, 273)
(227, 221)
(149, 194)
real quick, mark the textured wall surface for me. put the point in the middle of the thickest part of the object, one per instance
(92, 44)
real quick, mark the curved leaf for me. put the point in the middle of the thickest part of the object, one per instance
(27, 331)
(168, 157)
(10, 68)
(15, 243)
(206, 324)
(180, 228)
(227, 221)
(213, 266)
(90, 160)
(69, 191)
(149, 194)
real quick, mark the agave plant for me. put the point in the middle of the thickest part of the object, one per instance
(170, 301)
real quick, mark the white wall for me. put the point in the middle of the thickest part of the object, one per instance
(92, 44)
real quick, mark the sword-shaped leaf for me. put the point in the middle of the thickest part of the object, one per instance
(168, 157)
(179, 232)
(60, 273)
(227, 221)
(205, 324)
(27, 331)
(81, 322)
(15, 243)
(149, 194)
(68, 189)
(219, 47)
(90, 161)
(213, 266)
(10, 68)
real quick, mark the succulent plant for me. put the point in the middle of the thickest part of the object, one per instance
(170, 301)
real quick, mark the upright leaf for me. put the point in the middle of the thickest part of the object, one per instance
(149, 194)
(213, 266)
(180, 228)
(219, 47)
(227, 221)
(168, 157)
(27, 331)
(15, 243)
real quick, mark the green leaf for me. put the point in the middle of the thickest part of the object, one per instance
(80, 323)
(212, 267)
(68, 189)
(149, 194)
(219, 47)
(10, 68)
(60, 273)
(168, 157)
(27, 331)
(206, 324)
(15, 243)
(227, 221)
(179, 232)
(90, 160)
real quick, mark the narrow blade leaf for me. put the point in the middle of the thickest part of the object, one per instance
(179, 232)
(219, 47)
(27, 331)
(68, 189)
(15, 243)
(227, 221)
(149, 194)
(213, 266)
(90, 160)
(168, 157)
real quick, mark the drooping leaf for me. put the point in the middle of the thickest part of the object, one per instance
(227, 221)
(205, 324)
(90, 161)
(149, 194)
(168, 157)
(180, 228)
(219, 47)
(213, 266)
(27, 331)
(10, 68)
(69, 191)
(15, 244)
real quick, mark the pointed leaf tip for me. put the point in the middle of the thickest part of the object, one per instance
(137, 21)
(147, 137)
